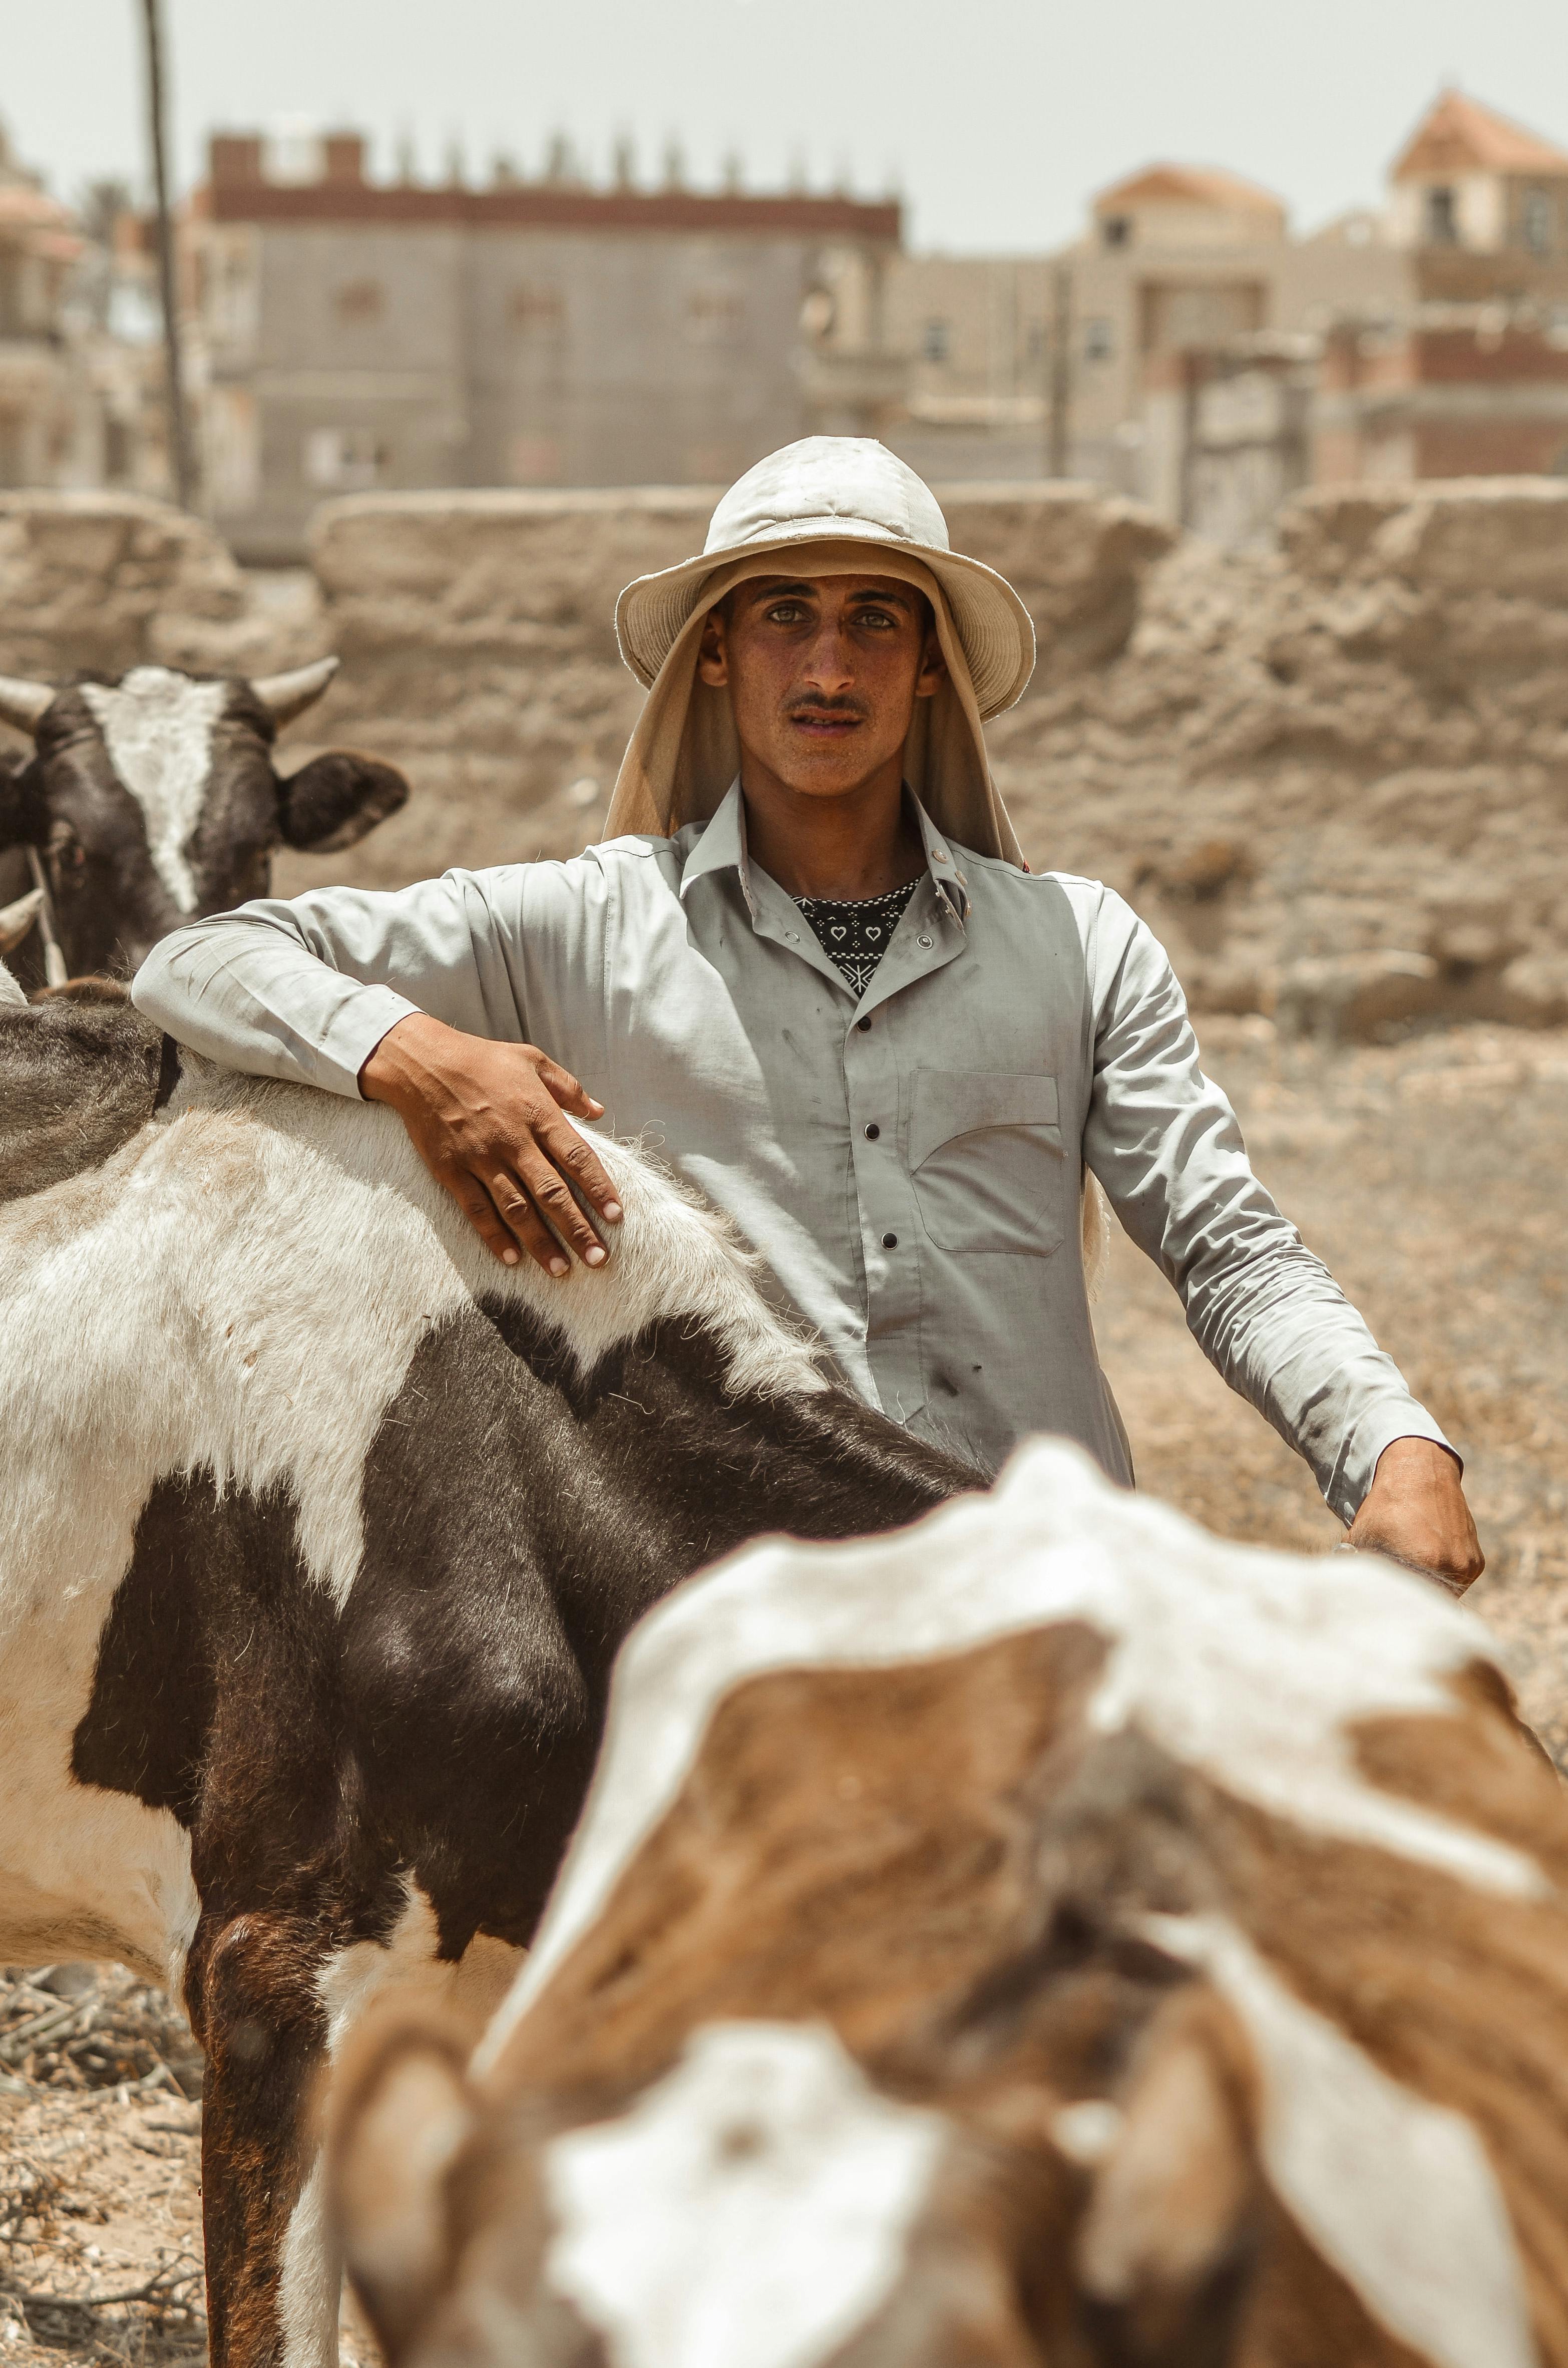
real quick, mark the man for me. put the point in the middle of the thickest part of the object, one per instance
(808, 959)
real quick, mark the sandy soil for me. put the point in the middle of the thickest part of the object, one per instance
(1431, 1176)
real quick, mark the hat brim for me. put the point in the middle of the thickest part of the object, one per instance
(993, 624)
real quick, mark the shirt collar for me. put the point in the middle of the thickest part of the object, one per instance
(723, 847)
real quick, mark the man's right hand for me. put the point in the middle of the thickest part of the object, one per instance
(486, 1120)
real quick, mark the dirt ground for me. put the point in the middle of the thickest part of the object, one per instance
(1429, 1173)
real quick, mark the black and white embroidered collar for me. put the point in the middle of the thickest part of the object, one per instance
(855, 934)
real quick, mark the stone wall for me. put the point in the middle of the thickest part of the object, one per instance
(1335, 778)
(103, 581)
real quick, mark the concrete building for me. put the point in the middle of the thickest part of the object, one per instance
(50, 428)
(1467, 376)
(974, 332)
(1236, 364)
(356, 334)
(1469, 179)
(1174, 259)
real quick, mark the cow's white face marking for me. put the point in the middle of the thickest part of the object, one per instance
(1395, 2191)
(754, 2205)
(157, 727)
(1245, 1664)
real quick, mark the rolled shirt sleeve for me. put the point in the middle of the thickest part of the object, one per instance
(302, 990)
(1164, 1142)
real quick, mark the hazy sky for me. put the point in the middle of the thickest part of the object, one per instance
(996, 116)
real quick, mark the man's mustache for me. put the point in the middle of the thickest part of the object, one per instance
(803, 709)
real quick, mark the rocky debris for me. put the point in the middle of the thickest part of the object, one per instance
(72, 2026)
(100, 2245)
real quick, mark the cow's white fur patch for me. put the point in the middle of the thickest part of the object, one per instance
(754, 2205)
(1245, 1664)
(1395, 2191)
(243, 1287)
(157, 727)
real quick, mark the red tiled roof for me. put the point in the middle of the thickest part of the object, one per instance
(1459, 135)
(20, 202)
(1187, 185)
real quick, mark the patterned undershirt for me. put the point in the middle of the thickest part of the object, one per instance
(855, 935)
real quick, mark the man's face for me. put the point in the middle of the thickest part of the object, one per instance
(824, 673)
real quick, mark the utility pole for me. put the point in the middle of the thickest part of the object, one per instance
(1059, 389)
(181, 466)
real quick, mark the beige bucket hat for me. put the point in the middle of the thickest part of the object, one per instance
(834, 504)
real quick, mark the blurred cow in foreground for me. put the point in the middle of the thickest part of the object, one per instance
(152, 800)
(1048, 1935)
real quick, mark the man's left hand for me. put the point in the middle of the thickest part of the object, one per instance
(1415, 1512)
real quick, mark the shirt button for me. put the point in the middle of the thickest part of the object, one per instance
(862, 1025)
(791, 937)
(889, 1241)
(927, 942)
(873, 1131)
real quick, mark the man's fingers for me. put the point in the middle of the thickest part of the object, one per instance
(567, 1091)
(578, 1162)
(524, 1223)
(478, 1208)
(551, 1193)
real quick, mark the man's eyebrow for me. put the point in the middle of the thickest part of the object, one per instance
(805, 589)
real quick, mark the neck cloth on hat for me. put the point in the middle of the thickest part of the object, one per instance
(828, 506)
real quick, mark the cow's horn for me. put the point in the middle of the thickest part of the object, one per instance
(289, 695)
(16, 919)
(22, 703)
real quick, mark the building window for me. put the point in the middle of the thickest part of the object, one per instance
(1099, 341)
(1115, 230)
(538, 310)
(534, 459)
(715, 317)
(936, 343)
(361, 301)
(1442, 218)
(1535, 222)
(344, 459)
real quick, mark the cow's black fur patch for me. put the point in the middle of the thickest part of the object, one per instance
(77, 1078)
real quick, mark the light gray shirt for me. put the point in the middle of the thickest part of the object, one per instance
(909, 1165)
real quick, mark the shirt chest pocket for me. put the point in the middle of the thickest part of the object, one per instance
(986, 1157)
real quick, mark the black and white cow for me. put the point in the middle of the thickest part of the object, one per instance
(318, 1531)
(154, 799)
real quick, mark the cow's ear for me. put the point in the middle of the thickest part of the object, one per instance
(1173, 2213)
(21, 803)
(335, 798)
(401, 2112)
